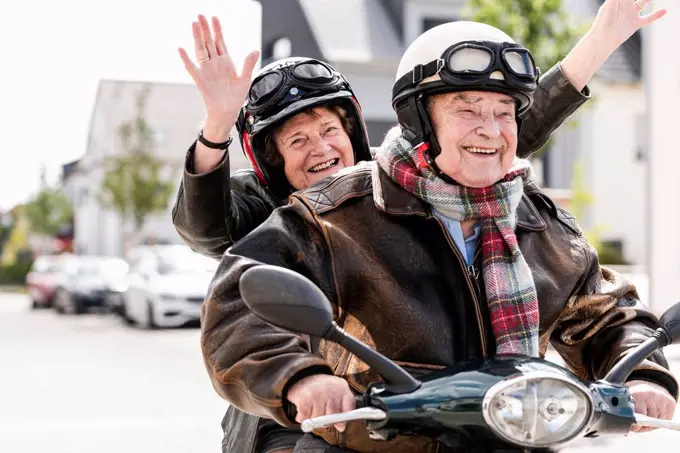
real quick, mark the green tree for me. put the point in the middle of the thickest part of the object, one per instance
(542, 26)
(581, 200)
(50, 210)
(134, 184)
(7, 222)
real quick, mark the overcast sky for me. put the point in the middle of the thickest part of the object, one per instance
(54, 53)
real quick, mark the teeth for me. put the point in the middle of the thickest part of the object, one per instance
(324, 165)
(481, 150)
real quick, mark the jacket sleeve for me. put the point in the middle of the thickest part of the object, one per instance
(555, 99)
(252, 363)
(602, 322)
(208, 215)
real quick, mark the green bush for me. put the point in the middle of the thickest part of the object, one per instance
(610, 255)
(15, 274)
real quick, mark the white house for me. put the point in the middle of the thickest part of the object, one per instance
(175, 113)
(662, 83)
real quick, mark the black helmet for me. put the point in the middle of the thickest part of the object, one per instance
(283, 89)
(458, 56)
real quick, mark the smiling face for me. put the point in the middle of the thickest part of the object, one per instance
(477, 134)
(313, 144)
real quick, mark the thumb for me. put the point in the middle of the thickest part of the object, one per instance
(249, 64)
(188, 64)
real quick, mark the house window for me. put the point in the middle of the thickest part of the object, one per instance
(420, 16)
(431, 22)
(276, 49)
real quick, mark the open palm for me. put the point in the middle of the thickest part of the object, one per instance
(619, 19)
(222, 87)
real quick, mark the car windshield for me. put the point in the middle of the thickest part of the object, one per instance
(103, 267)
(88, 267)
(47, 265)
(184, 261)
(114, 267)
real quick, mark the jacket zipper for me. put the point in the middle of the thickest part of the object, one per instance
(469, 270)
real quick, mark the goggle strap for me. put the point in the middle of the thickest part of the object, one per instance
(418, 74)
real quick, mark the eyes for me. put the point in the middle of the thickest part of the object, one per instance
(329, 131)
(469, 113)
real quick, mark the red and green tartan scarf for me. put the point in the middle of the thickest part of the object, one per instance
(510, 290)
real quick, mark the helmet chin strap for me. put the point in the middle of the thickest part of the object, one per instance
(429, 146)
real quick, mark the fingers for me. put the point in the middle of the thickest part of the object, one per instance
(304, 411)
(666, 408)
(640, 408)
(219, 37)
(207, 36)
(202, 54)
(333, 406)
(656, 15)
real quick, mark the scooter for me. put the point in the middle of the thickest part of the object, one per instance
(507, 403)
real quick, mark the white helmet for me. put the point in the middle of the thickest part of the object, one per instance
(459, 56)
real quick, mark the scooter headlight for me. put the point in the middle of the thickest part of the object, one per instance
(538, 410)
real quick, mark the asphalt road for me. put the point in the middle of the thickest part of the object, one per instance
(91, 384)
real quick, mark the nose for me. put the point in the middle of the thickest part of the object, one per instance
(319, 146)
(489, 127)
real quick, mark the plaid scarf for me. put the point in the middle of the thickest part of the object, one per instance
(510, 290)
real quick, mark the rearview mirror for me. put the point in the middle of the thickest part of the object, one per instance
(670, 321)
(287, 299)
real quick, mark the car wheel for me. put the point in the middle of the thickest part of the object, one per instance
(60, 301)
(124, 313)
(150, 317)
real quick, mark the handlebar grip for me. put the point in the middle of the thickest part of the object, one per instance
(291, 410)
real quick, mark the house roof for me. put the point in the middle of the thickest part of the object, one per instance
(625, 64)
(68, 169)
(373, 36)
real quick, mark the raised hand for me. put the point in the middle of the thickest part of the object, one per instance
(617, 20)
(222, 87)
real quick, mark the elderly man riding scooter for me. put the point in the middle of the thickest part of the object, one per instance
(444, 250)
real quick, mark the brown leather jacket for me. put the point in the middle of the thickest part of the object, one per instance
(398, 283)
(215, 209)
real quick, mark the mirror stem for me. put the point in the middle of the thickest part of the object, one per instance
(620, 372)
(398, 379)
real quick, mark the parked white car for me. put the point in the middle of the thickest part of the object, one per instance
(90, 282)
(167, 285)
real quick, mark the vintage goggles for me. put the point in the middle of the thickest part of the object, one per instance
(470, 64)
(284, 85)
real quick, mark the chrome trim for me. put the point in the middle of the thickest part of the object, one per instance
(497, 388)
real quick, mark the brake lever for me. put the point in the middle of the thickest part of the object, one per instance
(651, 422)
(364, 413)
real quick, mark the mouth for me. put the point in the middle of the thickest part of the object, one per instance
(480, 150)
(324, 165)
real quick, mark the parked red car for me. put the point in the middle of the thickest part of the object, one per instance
(43, 278)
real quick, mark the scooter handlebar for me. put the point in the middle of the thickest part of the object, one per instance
(651, 422)
(363, 413)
